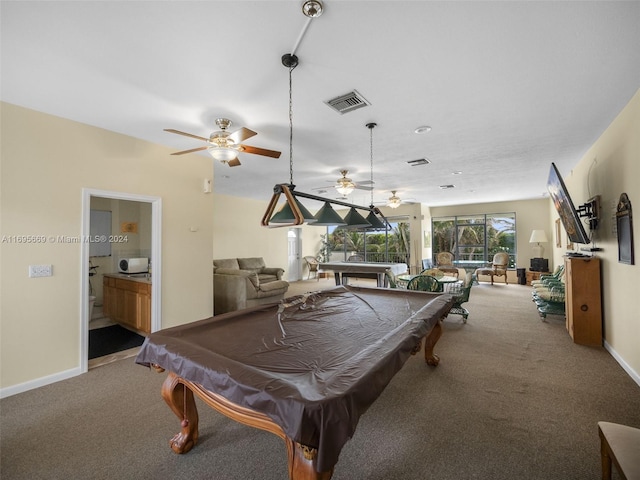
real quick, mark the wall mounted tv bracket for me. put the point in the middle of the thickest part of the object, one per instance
(590, 210)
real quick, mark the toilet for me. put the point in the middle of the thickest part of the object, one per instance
(92, 301)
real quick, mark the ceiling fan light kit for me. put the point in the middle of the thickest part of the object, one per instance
(394, 200)
(344, 185)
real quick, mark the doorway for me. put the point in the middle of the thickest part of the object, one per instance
(294, 242)
(151, 249)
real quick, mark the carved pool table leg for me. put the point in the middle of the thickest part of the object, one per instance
(302, 462)
(430, 342)
(176, 394)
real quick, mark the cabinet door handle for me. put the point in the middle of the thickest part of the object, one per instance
(584, 308)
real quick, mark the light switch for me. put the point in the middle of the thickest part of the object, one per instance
(40, 271)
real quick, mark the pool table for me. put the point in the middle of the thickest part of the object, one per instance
(343, 270)
(305, 369)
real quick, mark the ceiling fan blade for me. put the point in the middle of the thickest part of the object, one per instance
(360, 187)
(234, 163)
(190, 151)
(171, 130)
(260, 151)
(366, 182)
(242, 134)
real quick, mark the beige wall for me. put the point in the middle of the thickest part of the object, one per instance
(46, 162)
(610, 167)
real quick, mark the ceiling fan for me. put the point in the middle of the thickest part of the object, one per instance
(344, 185)
(225, 146)
(394, 201)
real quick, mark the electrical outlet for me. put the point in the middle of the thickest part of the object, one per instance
(39, 271)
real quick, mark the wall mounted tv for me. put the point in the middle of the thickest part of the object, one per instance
(568, 213)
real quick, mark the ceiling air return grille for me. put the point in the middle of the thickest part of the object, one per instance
(348, 102)
(419, 161)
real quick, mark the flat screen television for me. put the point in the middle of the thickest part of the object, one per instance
(568, 213)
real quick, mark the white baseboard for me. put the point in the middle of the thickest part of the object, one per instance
(632, 373)
(39, 382)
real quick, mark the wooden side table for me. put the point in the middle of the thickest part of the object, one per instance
(531, 276)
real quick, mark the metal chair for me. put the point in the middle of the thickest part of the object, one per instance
(461, 292)
(424, 283)
(312, 264)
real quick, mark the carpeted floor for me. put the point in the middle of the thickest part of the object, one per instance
(512, 399)
(106, 340)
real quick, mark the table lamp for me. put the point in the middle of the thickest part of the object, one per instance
(537, 237)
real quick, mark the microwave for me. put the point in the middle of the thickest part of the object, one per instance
(133, 265)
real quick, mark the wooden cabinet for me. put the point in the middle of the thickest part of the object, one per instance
(128, 302)
(531, 276)
(583, 300)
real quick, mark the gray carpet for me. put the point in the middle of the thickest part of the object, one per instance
(512, 398)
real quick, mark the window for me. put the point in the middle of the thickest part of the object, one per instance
(474, 239)
(372, 245)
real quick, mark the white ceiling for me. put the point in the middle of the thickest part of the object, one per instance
(507, 87)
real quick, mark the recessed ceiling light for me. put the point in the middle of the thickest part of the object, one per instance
(457, 172)
(423, 129)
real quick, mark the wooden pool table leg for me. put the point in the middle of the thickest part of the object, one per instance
(180, 400)
(430, 342)
(302, 462)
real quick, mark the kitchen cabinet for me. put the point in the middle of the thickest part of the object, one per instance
(583, 300)
(128, 302)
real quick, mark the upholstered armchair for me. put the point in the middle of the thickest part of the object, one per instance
(444, 263)
(497, 268)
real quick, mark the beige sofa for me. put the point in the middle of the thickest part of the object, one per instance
(245, 282)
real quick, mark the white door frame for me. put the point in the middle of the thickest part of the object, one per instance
(156, 261)
(297, 275)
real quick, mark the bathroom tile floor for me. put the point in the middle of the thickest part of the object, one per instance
(98, 320)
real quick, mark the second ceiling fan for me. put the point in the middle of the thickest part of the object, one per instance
(225, 146)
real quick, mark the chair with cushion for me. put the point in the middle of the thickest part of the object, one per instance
(390, 279)
(620, 445)
(424, 283)
(444, 262)
(461, 292)
(497, 268)
(312, 265)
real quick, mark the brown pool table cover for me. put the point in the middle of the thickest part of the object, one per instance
(313, 364)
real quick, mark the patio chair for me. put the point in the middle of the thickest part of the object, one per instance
(461, 292)
(424, 283)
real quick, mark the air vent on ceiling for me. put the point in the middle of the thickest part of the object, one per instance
(419, 161)
(348, 102)
(447, 187)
